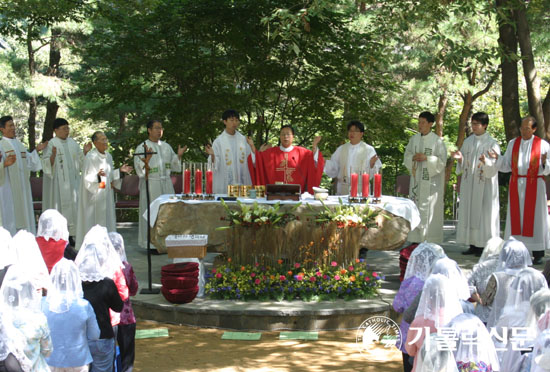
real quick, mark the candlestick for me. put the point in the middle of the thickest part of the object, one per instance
(198, 181)
(187, 181)
(377, 185)
(365, 185)
(354, 181)
(209, 175)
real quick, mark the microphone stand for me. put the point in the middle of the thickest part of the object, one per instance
(145, 153)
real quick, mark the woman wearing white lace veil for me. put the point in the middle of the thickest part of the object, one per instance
(12, 345)
(438, 305)
(418, 269)
(432, 359)
(71, 319)
(97, 263)
(513, 315)
(7, 255)
(475, 350)
(28, 255)
(513, 257)
(52, 236)
(540, 361)
(19, 294)
(481, 272)
(451, 270)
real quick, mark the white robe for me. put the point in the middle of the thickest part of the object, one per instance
(539, 240)
(61, 181)
(427, 185)
(96, 206)
(230, 165)
(16, 189)
(161, 165)
(348, 157)
(6, 209)
(479, 208)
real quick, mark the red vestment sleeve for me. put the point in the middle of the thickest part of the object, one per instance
(315, 173)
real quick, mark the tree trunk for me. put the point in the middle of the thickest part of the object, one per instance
(509, 70)
(464, 117)
(31, 122)
(122, 123)
(546, 112)
(441, 107)
(532, 81)
(53, 70)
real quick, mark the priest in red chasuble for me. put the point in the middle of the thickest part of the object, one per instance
(287, 163)
(527, 217)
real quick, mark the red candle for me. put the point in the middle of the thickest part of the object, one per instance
(198, 181)
(354, 182)
(187, 181)
(209, 182)
(377, 185)
(365, 185)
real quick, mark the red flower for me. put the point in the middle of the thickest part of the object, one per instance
(297, 265)
(213, 271)
(343, 271)
(218, 275)
(357, 260)
(334, 263)
(257, 281)
(336, 277)
(367, 278)
(299, 278)
(252, 275)
(374, 274)
(279, 262)
(350, 268)
(318, 273)
(312, 279)
(282, 278)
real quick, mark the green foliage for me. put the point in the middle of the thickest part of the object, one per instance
(347, 215)
(292, 282)
(257, 215)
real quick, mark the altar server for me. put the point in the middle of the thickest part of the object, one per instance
(15, 187)
(425, 158)
(62, 162)
(527, 215)
(96, 205)
(479, 208)
(161, 165)
(355, 156)
(228, 155)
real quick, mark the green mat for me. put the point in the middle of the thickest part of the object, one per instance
(298, 336)
(246, 336)
(151, 333)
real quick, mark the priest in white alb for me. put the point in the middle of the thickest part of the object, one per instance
(228, 155)
(355, 156)
(62, 162)
(527, 216)
(96, 203)
(479, 207)
(425, 158)
(15, 192)
(161, 165)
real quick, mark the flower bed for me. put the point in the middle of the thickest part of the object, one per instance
(284, 281)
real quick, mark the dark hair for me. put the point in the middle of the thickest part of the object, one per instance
(230, 114)
(4, 120)
(481, 117)
(152, 122)
(287, 126)
(96, 133)
(59, 122)
(430, 118)
(532, 120)
(357, 124)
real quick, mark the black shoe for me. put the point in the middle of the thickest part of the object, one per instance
(363, 253)
(537, 260)
(471, 250)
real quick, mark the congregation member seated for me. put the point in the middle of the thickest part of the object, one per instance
(7, 258)
(12, 345)
(52, 237)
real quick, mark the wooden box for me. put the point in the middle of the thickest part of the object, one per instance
(187, 251)
(283, 192)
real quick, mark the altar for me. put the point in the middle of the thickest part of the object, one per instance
(170, 215)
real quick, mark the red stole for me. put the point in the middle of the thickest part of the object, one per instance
(530, 190)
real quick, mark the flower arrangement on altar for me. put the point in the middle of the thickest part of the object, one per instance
(348, 216)
(285, 281)
(256, 215)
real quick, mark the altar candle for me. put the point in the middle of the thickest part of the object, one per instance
(377, 185)
(365, 186)
(187, 181)
(198, 181)
(354, 181)
(209, 181)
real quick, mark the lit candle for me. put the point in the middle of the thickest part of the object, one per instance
(354, 182)
(365, 185)
(209, 181)
(198, 181)
(377, 185)
(187, 181)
